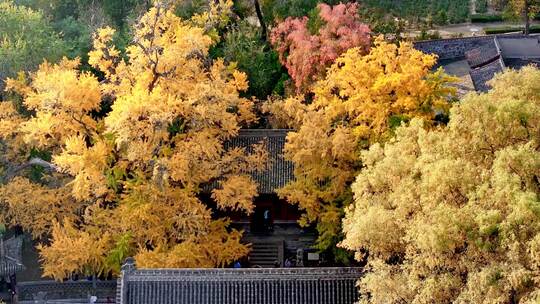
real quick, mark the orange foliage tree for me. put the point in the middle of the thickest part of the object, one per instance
(123, 160)
(308, 46)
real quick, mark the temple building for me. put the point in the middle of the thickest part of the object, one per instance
(272, 229)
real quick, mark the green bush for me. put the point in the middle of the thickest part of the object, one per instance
(440, 17)
(535, 28)
(243, 45)
(483, 18)
(315, 21)
(381, 23)
(186, 9)
(428, 35)
(26, 39)
(501, 29)
(67, 17)
(77, 36)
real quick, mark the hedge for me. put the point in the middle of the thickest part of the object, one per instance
(535, 28)
(483, 18)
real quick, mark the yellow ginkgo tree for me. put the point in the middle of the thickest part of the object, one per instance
(361, 101)
(122, 160)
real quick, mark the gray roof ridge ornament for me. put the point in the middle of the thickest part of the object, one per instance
(129, 265)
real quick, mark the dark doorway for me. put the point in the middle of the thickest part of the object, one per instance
(262, 220)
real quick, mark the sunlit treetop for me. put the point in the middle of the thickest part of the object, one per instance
(361, 101)
(127, 156)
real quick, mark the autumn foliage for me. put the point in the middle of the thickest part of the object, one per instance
(124, 159)
(307, 55)
(452, 215)
(360, 102)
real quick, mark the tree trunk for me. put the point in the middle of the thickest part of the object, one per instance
(527, 19)
(261, 19)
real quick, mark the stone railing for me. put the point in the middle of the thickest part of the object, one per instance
(239, 286)
(43, 292)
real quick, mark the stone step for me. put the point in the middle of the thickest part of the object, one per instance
(265, 254)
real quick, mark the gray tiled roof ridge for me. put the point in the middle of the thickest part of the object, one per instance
(236, 275)
(236, 271)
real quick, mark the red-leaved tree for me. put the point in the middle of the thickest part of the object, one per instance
(307, 55)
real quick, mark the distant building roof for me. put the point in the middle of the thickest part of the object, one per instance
(517, 63)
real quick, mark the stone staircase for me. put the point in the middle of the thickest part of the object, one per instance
(265, 254)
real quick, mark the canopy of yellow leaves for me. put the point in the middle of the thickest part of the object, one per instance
(452, 215)
(133, 152)
(361, 101)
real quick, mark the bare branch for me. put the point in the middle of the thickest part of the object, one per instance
(35, 161)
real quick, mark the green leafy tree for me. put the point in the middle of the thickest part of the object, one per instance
(26, 39)
(452, 215)
(254, 57)
(526, 8)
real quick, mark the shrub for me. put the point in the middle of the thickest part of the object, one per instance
(509, 29)
(279, 10)
(482, 18)
(26, 39)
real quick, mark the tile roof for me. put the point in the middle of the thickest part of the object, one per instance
(520, 47)
(239, 286)
(482, 75)
(65, 292)
(483, 55)
(517, 63)
(279, 171)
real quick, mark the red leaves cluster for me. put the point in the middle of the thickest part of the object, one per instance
(307, 56)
